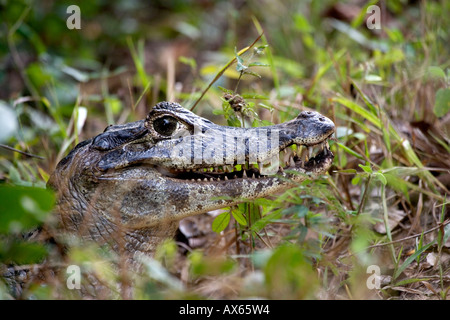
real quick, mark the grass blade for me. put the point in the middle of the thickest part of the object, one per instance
(410, 259)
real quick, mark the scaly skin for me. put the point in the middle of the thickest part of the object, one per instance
(130, 185)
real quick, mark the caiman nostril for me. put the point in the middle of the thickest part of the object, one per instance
(305, 114)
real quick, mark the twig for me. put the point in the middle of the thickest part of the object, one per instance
(21, 152)
(15, 54)
(223, 70)
(398, 240)
(409, 237)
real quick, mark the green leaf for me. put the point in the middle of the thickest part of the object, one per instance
(38, 75)
(301, 23)
(240, 62)
(299, 210)
(408, 281)
(446, 233)
(443, 231)
(113, 104)
(435, 72)
(395, 35)
(288, 274)
(397, 183)
(14, 175)
(246, 71)
(239, 217)
(188, 61)
(254, 96)
(264, 221)
(21, 252)
(370, 116)
(442, 102)
(75, 73)
(138, 63)
(258, 64)
(352, 171)
(225, 90)
(420, 245)
(23, 207)
(221, 222)
(233, 122)
(260, 49)
(381, 177)
(218, 112)
(356, 180)
(392, 56)
(350, 151)
(211, 266)
(366, 169)
(238, 56)
(410, 259)
(373, 78)
(270, 108)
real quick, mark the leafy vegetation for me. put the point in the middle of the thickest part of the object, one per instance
(384, 202)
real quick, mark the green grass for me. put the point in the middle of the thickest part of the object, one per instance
(387, 91)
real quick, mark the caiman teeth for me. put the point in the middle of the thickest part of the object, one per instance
(291, 162)
(291, 157)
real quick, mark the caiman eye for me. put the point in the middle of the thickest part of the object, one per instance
(165, 125)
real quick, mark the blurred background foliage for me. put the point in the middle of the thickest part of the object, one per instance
(387, 90)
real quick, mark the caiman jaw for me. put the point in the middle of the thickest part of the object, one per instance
(301, 148)
(185, 148)
(292, 159)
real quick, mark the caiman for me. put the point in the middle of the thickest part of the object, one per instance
(130, 185)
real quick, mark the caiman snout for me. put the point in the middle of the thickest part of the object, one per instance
(184, 143)
(312, 128)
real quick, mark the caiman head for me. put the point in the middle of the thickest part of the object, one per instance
(131, 184)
